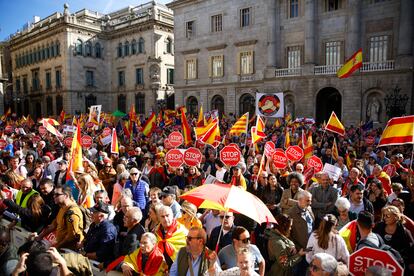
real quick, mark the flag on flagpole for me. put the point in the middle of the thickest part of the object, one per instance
(308, 149)
(241, 125)
(258, 130)
(399, 131)
(351, 65)
(46, 123)
(186, 129)
(287, 138)
(212, 136)
(75, 161)
(348, 161)
(277, 123)
(114, 142)
(62, 117)
(334, 125)
(335, 153)
(201, 120)
(200, 131)
(149, 125)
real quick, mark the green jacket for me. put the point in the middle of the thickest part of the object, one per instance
(280, 248)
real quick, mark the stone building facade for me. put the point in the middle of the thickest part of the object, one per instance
(226, 51)
(71, 61)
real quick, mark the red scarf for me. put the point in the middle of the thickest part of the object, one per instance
(168, 247)
(153, 263)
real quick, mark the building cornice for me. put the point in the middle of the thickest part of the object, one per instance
(181, 3)
(189, 52)
(216, 47)
(245, 43)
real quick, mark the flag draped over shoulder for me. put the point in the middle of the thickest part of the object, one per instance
(241, 125)
(114, 142)
(186, 129)
(149, 125)
(258, 130)
(399, 130)
(334, 125)
(351, 65)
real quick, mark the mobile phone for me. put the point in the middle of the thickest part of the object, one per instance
(309, 249)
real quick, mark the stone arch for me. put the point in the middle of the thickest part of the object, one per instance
(247, 103)
(192, 105)
(371, 95)
(328, 99)
(217, 103)
(289, 104)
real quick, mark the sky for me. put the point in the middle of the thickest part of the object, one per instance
(15, 13)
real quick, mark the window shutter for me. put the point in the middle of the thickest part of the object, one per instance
(196, 68)
(185, 70)
(252, 67)
(222, 65)
(210, 66)
(238, 63)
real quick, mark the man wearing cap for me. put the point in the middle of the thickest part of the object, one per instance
(60, 175)
(225, 236)
(168, 198)
(100, 240)
(108, 176)
(139, 188)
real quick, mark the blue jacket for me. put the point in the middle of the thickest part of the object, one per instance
(139, 192)
(101, 239)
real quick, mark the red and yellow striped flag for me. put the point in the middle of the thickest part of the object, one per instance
(287, 138)
(241, 125)
(186, 128)
(201, 119)
(212, 136)
(351, 65)
(334, 125)
(335, 153)
(308, 148)
(149, 125)
(114, 142)
(277, 123)
(200, 131)
(399, 130)
(75, 161)
(258, 130)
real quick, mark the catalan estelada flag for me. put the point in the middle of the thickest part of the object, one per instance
(186, 128)
(241, 125)
(114, 142)
(258, 130)
(334, 125)
(351, 65)
(149, 125)
(399, 130)
(335, 153)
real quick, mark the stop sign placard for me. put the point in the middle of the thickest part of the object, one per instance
(68, 142)
(167, 144)
(86, 141)
(279, 159)
(106, 132)
(3, 143)
(174, 158)
(8, 129)
(390, 169)
(365, 257)
(269, 149)
(42, 130)
(176, 139)
(316, 163)
(294, 153)
(37, 139)
(230, 156)
(192, 156)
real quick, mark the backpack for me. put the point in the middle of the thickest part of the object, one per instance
(86, 217)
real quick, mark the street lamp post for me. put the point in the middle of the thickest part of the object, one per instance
(395, 103)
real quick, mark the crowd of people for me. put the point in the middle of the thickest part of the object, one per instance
(124, 210)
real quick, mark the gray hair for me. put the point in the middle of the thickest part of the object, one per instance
(303, 193)
(126, 193)
(165, 209)
(328, 262)
(123, 175)
(378, 271)
(342, 203)
(136, 213)
(295, 175)
(150, 236)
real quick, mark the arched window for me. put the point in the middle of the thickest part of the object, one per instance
(126, 48)
(79, 47)
(141, 45)
(122, 103)
(120, 50)
(192, 105)
(140, 103)
(134, 47)
(88, 49)
(169, 45)
(98, 50)
(247, 104)
(217, 103)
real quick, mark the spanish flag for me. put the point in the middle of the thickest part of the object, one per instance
(308, 149)
(334, 125)
(201, 120)
(258, 130)
(75, 161)
(351, 65)
(287, 138)
(335, 153)
(349, 234)
(114, 142)
(399, 130)
(149, 125)
(241, 125)
(277, 123)
(186, 128)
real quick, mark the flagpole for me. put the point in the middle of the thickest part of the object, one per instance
(360, 91)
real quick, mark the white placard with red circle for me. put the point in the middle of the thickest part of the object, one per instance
(3, 144)
(192, 156)
(106, 131)
(230, 156)
(269, 149)
(390, 169)
(294, 153)
(68, 142)
(279, 160)
(176, 139)
(174, 158)
(8, 129)
(366, 257)
(167, 144)
(86, 141)
(36, 139)
(316, 163)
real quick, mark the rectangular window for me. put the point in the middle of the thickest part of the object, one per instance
(190, 29)
(170, 76)
(333, 5)
(217, 66)
(121, 78)
(245, 17)
(25, 87)
(293, 8)
(246, 63)
(140, 103)
(48, 80)
(58, 79)
(216, 23)
(294, 57)
(35, 81)
(17, 85)
(191, 69)
(333, 53)
(139, 76)
(90, 81)
(378, 48)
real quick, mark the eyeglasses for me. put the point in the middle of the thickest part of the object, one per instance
(314, 268)
(189, 238)
(246, 240)
(180, 169)
(134, 173)
(108, 166)
(226, 217)
(57, 195)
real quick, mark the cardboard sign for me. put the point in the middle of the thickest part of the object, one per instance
(176, 139)
(230, 156)
(174, 158)
(280, 160)
(366, 257)
(294, 153)
(333, 171)
(192, 157)
(212, 180)
(70, 129)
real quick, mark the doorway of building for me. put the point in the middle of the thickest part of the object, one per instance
(328, 100)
